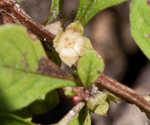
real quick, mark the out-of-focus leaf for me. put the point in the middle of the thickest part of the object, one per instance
(75, 121)
(54, 9)
(53, 55)
(10, 119)
(89, 67)
(87, 120)
(38, 107)
(68, 91)
(83, 118)
(89, 8)
(52, 99)
(42, 106)
(140, 24)
(19, 1)
(20, 82)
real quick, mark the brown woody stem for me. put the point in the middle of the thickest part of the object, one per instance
(103, 81)
(11, 7)
(124, 92)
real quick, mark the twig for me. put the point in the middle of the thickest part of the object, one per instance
(11, 7)
(103, 81)
(71, 114)
(13, 12)
(124, 92)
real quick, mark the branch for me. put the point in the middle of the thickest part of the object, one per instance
(71, 114)
(11, 12)
(118, 89)
(124, 92)
(11, 7)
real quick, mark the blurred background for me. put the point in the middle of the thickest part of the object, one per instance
(109, 31)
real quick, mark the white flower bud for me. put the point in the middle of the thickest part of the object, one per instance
(71, 44)
(55, 27)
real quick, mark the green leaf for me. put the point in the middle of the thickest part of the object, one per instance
(19, 1)
(75, 120)
(102, 109)
(99, 103)
(20, 82)
(10, 119)
(113, 98)
(68, 91)
(38, 107)
(76, 27)
(87, 120)
(42, 106)
(140, 24)
(96, 100)
(54, 9)
(83, 118)
(52, 99)
(89, 67)
(89, 8)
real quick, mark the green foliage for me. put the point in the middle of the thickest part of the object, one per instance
(99, 103)
(102, 108)
(89, 67)
(52, 99)
(89, 8)
(140, 24)
(83, 118)
(42, 106)
(20, 82)
(54, 9)
(22, 86)
(68, 91)
(9, 119)
(19, 1)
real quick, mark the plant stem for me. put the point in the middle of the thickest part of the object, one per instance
(11, 7)
(124, 92)
(113, 86)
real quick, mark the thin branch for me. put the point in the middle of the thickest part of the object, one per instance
(71, 114)
(103, 81)
(124, 92)
(10, 12)
(11, 7)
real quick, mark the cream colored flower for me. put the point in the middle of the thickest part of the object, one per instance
(55, 27)
(71, 44)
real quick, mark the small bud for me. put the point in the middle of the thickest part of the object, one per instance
(77, 99)
(55, 27)
(147, 98)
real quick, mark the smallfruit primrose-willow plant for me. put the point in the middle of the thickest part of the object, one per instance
(33, 79)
